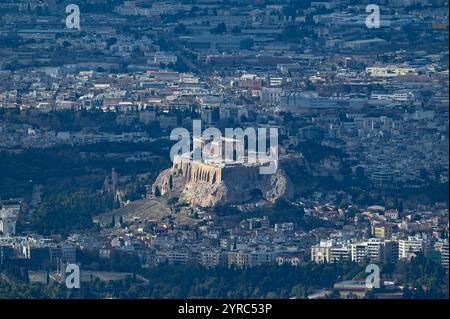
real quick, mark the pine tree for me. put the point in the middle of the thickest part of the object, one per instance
(117, 202)
(400, 207)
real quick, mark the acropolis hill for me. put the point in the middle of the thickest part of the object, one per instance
(206, 184)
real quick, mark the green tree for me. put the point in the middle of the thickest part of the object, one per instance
(219, 29)
(246, 44)
(180, 29)
(157, 192)
(170, 182)
(236, 30)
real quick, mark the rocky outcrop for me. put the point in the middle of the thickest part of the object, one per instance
(204, 185)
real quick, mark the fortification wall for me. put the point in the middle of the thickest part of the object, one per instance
(198, 172)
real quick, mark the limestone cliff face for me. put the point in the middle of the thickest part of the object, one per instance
(204, 185)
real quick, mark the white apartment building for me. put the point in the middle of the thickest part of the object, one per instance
(375, 249)
(210, 259)
(389, 71)
(398, 97)
(164, 57)
(271, 96)
(258, 258)
(444, 255)
(275, 81)
(442, 247)
(320, 253)
(340, 253)
(409, 247)
(329, 251)
(177, 257)
(359, 252)
(292, 260)
(246, 259)
(8, 218)
(147, 116)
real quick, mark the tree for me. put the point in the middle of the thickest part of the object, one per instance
(110, 42)
(359, 172)
(116, 203)
(123, 67)
(309, 20)
(121, 221)
(236, 30)
(272, 295)
(180, 29)
(172, 202)
(290, 33)
(162, 43)
(180, 66)
(157, 192)
(334, 294)
(246, 44)
(300, 292)
(305, 293)
(370, 294)
(113, 221)
(170, 182)
(400, 207)
(65, 211)
(219, 29)
(309, 85)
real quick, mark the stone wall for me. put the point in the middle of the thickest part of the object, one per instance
(198, 172)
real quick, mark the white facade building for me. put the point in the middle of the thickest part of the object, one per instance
(8, 219)
(410, 247)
